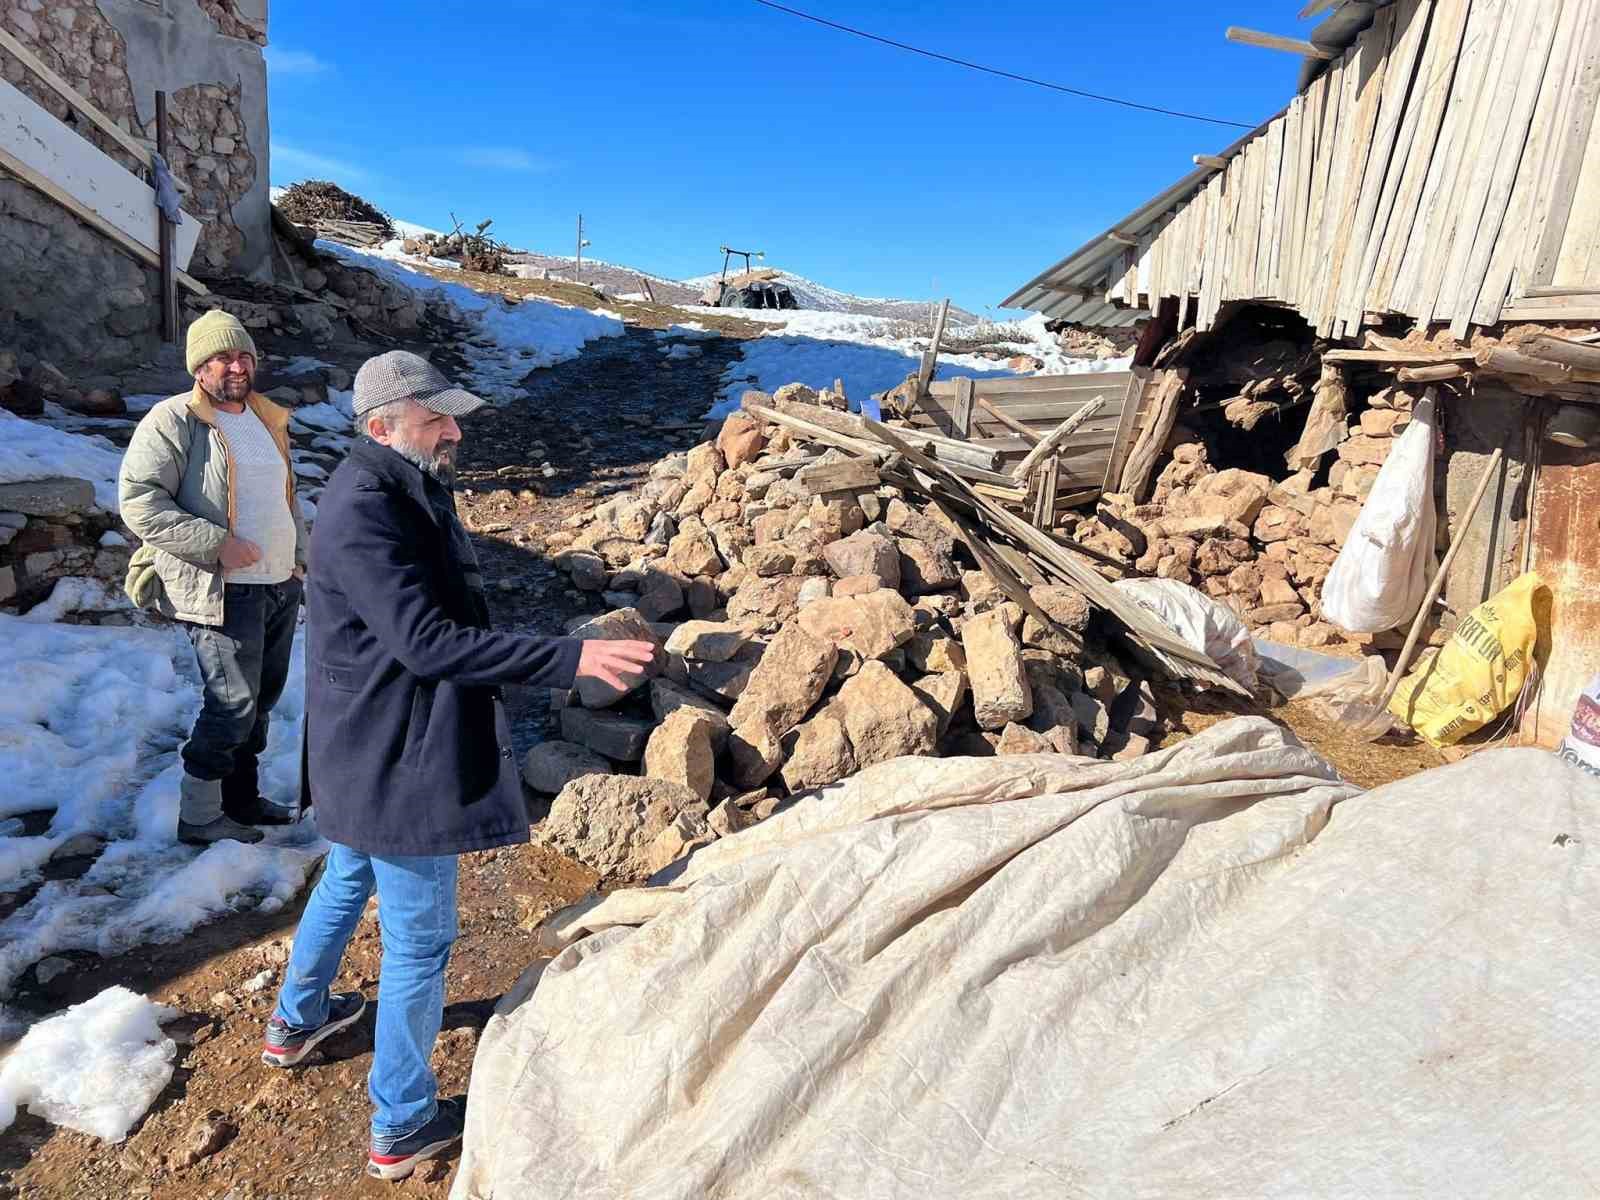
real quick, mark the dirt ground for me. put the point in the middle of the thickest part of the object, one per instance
(583, 430)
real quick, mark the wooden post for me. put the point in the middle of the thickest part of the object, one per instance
(1055, 437)
(930, 357)
(169, 274)
(1432, 593)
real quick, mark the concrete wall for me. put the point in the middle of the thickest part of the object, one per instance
(69, 295)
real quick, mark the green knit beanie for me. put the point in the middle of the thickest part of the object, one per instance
(212, 334)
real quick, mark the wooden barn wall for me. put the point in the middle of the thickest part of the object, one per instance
(1448, 162)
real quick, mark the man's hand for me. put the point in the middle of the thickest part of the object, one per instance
(237, 552)
(609, 661)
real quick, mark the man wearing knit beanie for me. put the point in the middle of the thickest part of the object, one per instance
(207, 484)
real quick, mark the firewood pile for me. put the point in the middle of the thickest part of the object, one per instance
(332, 211)
(826, 596)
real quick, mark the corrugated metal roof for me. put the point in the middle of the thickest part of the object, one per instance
(1074, 289)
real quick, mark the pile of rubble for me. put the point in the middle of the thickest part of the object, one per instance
(1261, 546)
(808, 628)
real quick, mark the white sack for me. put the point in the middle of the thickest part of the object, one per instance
(1207, 625)
(1379, 578)
(1035, 977)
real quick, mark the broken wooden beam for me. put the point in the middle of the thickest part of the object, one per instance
(848, 475)
(1215, 161)
(1563, 350)
(1436, 373)
(1398, 358)
(1009, 422)
(1241, 36)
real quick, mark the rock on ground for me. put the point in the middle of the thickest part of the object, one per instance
(607, 822)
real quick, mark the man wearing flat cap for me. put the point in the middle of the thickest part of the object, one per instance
(208, 486)
(409, 755)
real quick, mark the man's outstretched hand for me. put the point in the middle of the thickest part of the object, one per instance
(609, 661)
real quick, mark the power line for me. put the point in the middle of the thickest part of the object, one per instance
(972, 66)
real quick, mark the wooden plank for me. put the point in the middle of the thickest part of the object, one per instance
(848, 475)
(1437, 373)
(1132, 408)
(1416, 146)
(1384, 166)
(1216, 227)
(1288, 187)
(962, 418)
(1332, 87)
(1162, 416)
(1574, 141)
(88, 216)
(1272, 41)
(1343, 105)
(1527, 85)
(993, 386)
(1049, 477)
(1214, 161)
(1397, 358)
(1529, 310)
(1057, 437)
(138, 149)
(1267, 241)
(1564, 350)
(1507, 246)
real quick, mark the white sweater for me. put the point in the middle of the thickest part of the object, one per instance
(261, 503)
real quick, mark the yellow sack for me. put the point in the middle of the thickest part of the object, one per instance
(1480, 670)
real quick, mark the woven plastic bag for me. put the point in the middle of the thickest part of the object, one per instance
(1379, 578)
(1480, 671)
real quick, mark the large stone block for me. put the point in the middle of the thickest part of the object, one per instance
(872, 624)
(607, 822)
(620, 739)
(995, 672)
(788, 680)
(864, 554)
(58, 497)
(883, 717)
(681, 749)
(625, 624)
(818, 753)
(550, 766)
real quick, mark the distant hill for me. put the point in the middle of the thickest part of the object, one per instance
(819, 297)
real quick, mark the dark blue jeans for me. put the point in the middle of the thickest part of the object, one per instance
(417, 920)
(244, 664)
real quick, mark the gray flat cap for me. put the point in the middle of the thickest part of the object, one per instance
(401, 375)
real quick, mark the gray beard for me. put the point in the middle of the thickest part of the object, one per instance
(441, 469)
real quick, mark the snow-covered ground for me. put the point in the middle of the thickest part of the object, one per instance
(510, 339)
(95, 1068)
(91, 718)
(34, 450)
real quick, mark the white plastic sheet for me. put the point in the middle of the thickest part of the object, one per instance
(1205, 624)
(1379, 578)
(1040, 977)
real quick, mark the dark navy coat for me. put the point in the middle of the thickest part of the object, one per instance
(408, 750)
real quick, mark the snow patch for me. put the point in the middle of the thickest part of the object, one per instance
(75, 594)
(510, 339)
(33, 450)
(96, 1068)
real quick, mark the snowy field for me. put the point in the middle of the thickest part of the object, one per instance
(35, 450)
(510, 339)
(871, 354)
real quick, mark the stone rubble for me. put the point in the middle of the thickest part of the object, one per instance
(804, 638)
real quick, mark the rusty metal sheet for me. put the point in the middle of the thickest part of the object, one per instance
(1566, 553)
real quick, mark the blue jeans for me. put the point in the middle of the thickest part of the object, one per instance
(417, 918)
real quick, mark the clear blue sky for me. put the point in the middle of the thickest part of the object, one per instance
(677, 125)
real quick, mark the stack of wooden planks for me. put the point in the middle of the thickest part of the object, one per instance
(1447, 162)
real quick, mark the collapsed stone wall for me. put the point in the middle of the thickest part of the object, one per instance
(1259, 544)
(804, 635)
(51, 529)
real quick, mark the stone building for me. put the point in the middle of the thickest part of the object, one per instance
(68, 293)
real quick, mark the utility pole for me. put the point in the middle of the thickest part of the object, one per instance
(577, 270)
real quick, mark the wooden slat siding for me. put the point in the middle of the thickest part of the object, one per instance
(1142, 268)
(1383, 166)
(1250, 214)
(1430, 239)
(1311, 103)
(1569, 140)
(1491, 104)
(1133, 405)
(1502, 172)
(1210, 285)
(1425, 118)
(1300, 111)
(1321, 171)
(1506, 245)
(1580, 242)
(1373, 70)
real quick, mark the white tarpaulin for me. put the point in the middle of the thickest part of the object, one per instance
(1045, 977)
